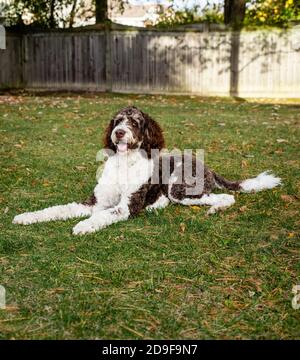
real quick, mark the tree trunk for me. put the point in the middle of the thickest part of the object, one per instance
(52, 18)
(72, 13)
(234, 12)
(101, 11)
(227, 8)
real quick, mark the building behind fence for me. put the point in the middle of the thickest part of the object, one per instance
(245, 64)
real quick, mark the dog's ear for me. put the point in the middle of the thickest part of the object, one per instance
(153, 135)
(107, 142)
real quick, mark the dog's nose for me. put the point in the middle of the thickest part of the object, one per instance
(120, 134)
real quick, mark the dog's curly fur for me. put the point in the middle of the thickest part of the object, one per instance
(152, 133)
(126, 186)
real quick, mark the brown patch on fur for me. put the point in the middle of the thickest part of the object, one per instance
(153, 135)
(211, 180)
(224, 183)
(179, 191)
(137, 200)
(91, 201)
(154, 192)
(107, 142)
(146, 195)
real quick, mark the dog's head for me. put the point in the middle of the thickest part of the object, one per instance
(133, 129)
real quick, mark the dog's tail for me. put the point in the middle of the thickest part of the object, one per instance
(263, 181)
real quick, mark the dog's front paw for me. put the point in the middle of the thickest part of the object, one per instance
(84, 227)
(24, 219)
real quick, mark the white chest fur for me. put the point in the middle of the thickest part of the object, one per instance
(125, 174)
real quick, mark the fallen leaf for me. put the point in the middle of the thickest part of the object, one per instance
(251, 293)
(197, 208)
(182, 228)
(56, 291)
(244, 163)
(281, 141)
(11, 308)
(243, 208)
(134, 284)
(231, 216)
(287, 198)
(279, 151)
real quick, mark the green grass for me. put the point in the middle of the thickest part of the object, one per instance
(225, 276)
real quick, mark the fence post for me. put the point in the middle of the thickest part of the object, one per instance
(108, 79)
(24, 59)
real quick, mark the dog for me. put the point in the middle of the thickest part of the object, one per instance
(126, 186)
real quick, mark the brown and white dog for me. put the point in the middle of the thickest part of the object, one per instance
(134, 179)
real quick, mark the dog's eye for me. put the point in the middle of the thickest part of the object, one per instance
(134, 124)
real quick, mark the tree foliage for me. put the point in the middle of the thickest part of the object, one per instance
(236, 13)
(272, 12)
(189, 15)
(42, 13)
(56, 13)
(62, 13)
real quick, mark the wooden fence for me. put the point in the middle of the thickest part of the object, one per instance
(246, 64)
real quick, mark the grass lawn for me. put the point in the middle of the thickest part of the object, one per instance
(172, 274)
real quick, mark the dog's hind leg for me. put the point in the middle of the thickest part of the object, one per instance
(58, 212)
(216, 201)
